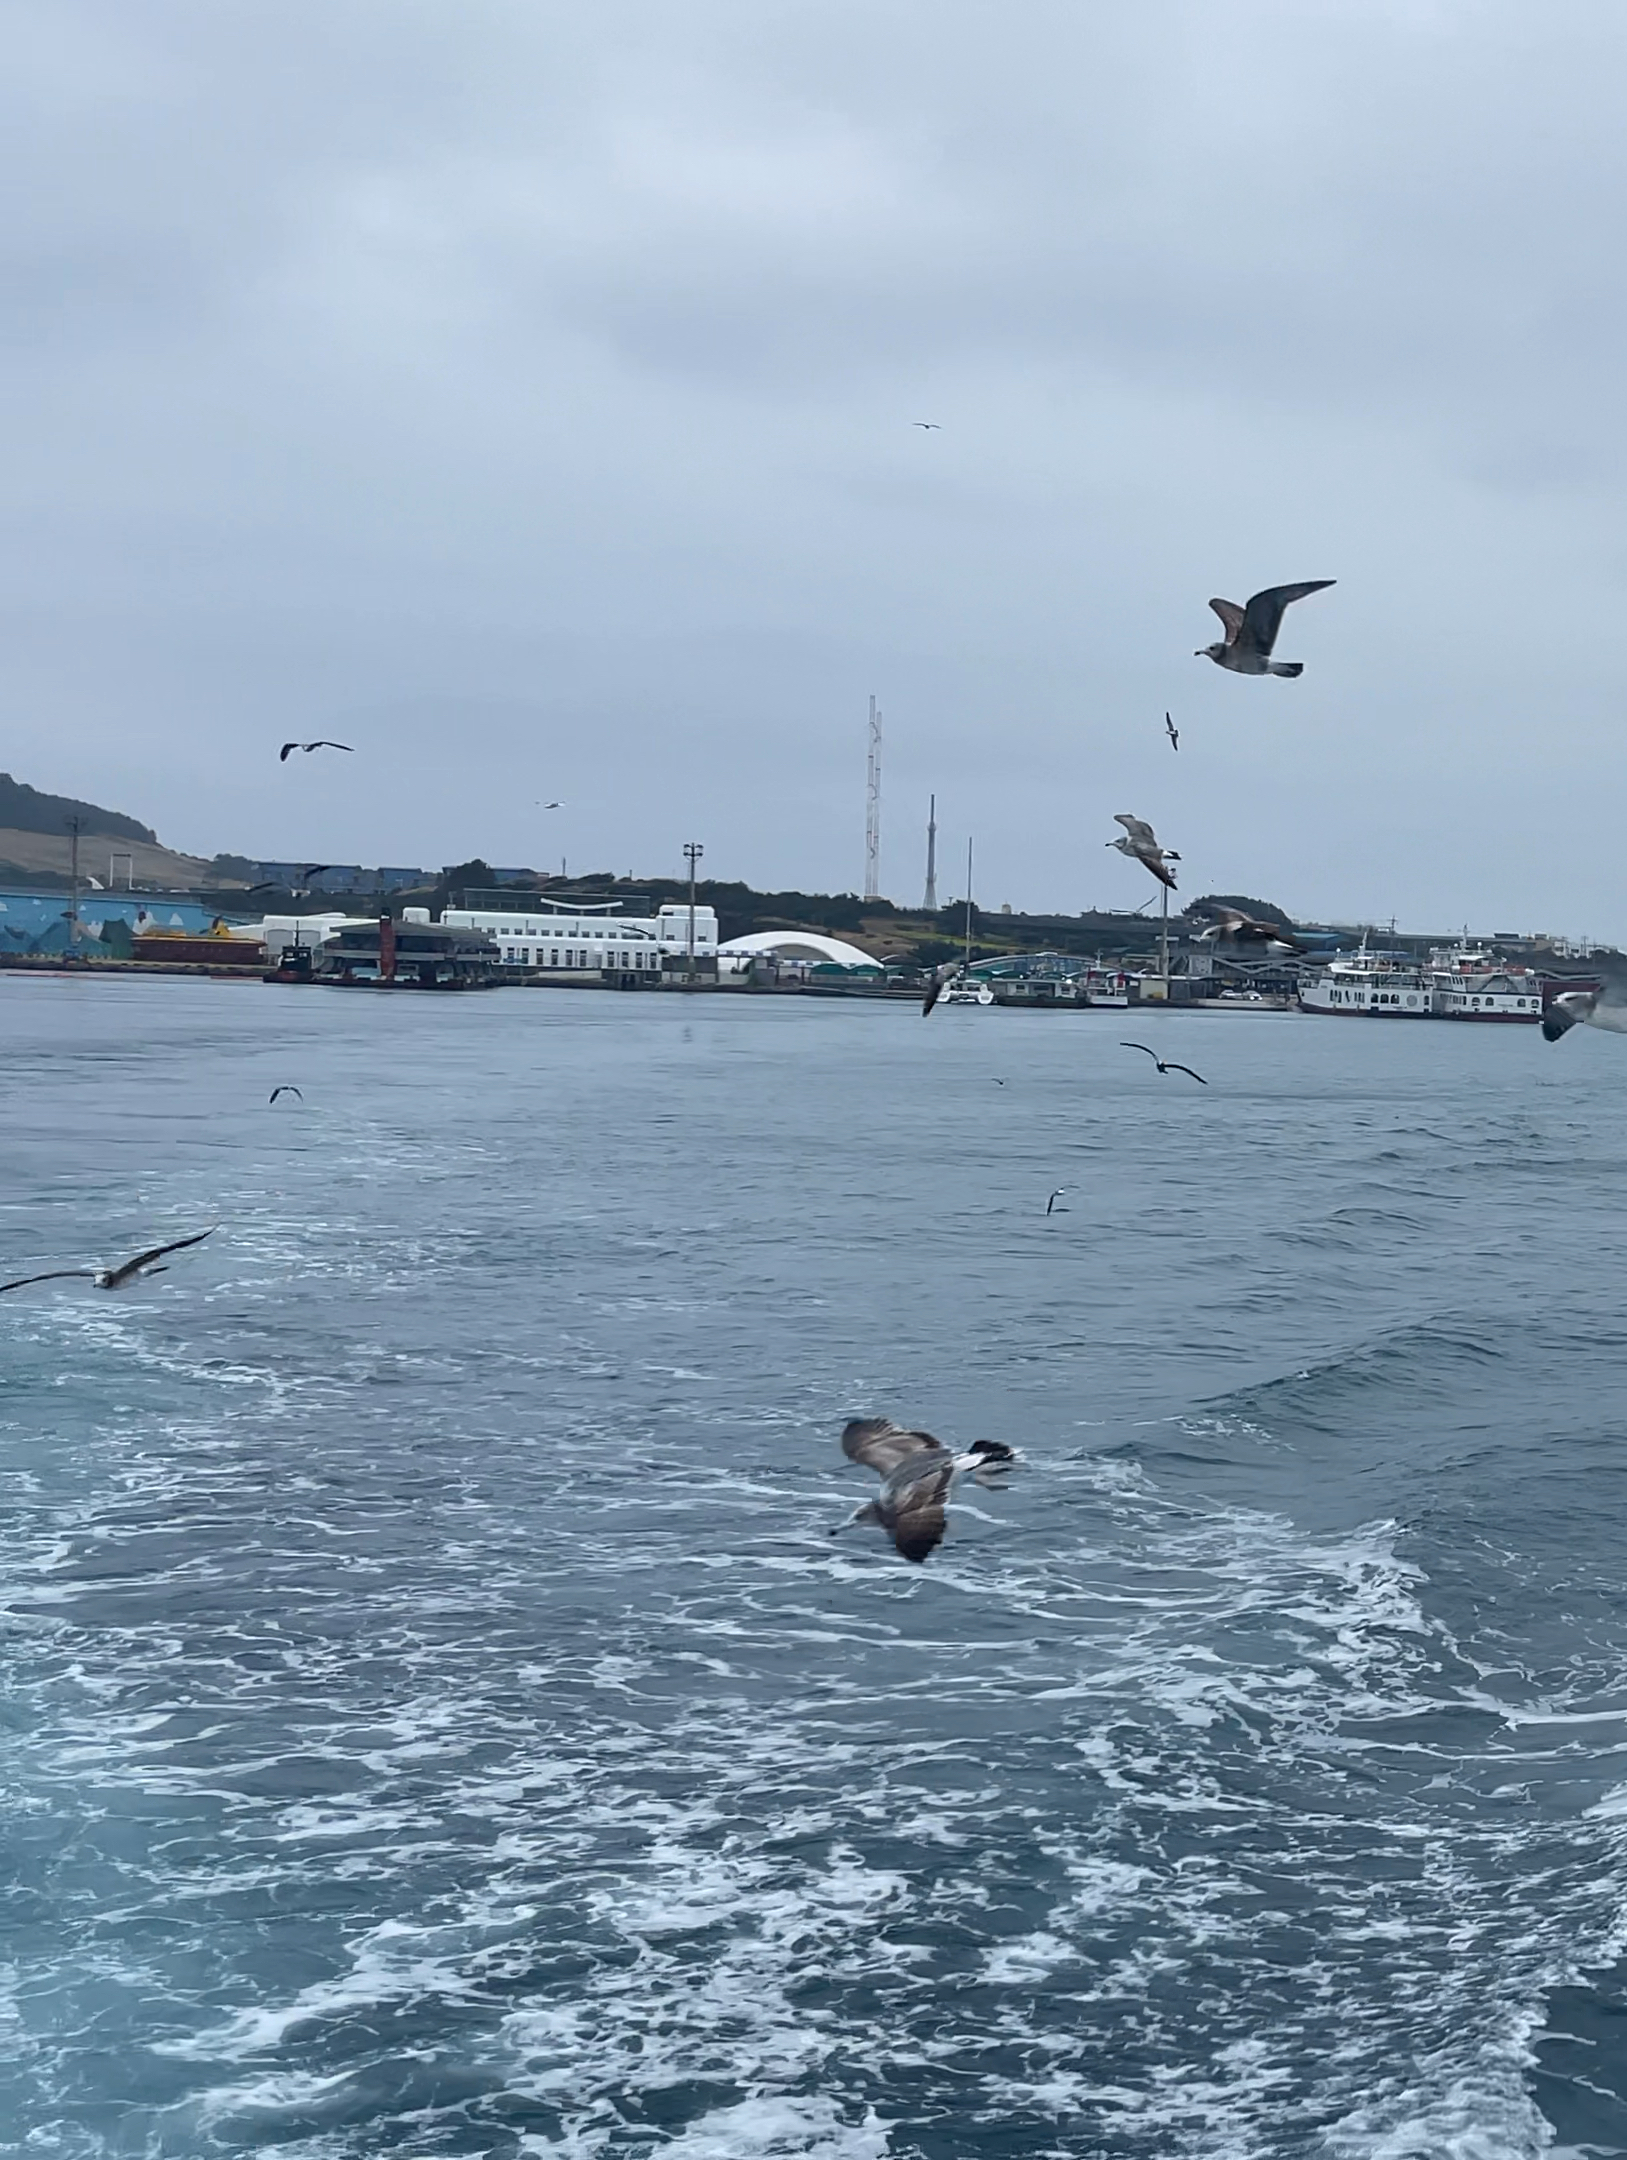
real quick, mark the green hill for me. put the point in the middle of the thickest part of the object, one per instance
(26, 809)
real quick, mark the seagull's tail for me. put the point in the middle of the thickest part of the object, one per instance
(1289, 668)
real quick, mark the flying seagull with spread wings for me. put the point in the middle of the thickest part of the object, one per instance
(1173, 732)
(916, 1474)
(287, 1088)
(1165, 1065)
(115, 1278)
(1051, 1204)
(1240, 929)
(1142, 842)
(1251, 631)
(1605, 1007)
(935, 425)
(321, 743)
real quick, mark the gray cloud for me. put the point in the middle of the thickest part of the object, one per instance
(528, 389)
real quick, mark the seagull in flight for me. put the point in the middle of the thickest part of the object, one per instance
(1173, 732)
(1252, 631)
(1605, 1007)
(287, 1088)
(1050, 1204)
(933, 424)
(310, 871)
(1165, 1065)
(916, 1473)
(1240, 929)
(321, 743)
(115, 1278)
(940, 984)
(1142, 842)
(548, 806)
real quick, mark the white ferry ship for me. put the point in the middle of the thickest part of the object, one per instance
(1470, 983)
(1389, 985)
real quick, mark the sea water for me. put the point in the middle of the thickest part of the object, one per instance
(437, 1719)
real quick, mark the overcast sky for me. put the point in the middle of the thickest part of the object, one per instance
(524, 393)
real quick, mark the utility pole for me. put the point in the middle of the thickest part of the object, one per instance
(694, 851)
(1163, 942)
(929, 905)
(74, 824)
(965, 965)
(872, 810)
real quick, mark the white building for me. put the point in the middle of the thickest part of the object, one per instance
(558, 936)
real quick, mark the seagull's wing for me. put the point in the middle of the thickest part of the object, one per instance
(933, 996)
(60, 1274)
(1153, 1054)
(324, 744)
(1262, 618)
(282, 754)
(1190, 1074)
(918, 1529)
(882, 1445)
(1231, 615)
(1141, 833)
(1158, 865)
(1610, 970)
(118, 1275)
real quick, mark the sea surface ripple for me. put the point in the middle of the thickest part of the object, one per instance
(437, 1720)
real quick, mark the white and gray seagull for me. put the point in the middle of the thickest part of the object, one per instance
(116, 1278)
(916, 1473)
(1605, 1007)
(1251, 631)
(1142, 842)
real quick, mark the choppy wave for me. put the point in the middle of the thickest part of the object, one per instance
(439, 1721)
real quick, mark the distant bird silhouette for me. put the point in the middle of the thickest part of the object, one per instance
(287, 1088)
(114, 1278)
(1240, 929)
(1251, 631)
(1173, 732)
(927, 424)
(321, 743)
(311, 870)
(999, 1083)
(548, 806)
(1165, 1066)
(1051, 1204)
(1605, 1007)
(917, 1473)
(1142, 842)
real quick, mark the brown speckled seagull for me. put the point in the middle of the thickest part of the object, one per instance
(1251, 631)
(916, 1472)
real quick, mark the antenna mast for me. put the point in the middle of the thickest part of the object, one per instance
(929, 905)
(872, 810)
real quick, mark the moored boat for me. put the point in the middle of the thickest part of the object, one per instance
(1386, 986)
(1469, 982)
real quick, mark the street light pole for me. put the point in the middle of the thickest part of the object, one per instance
(74, 824)
(693, 851)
